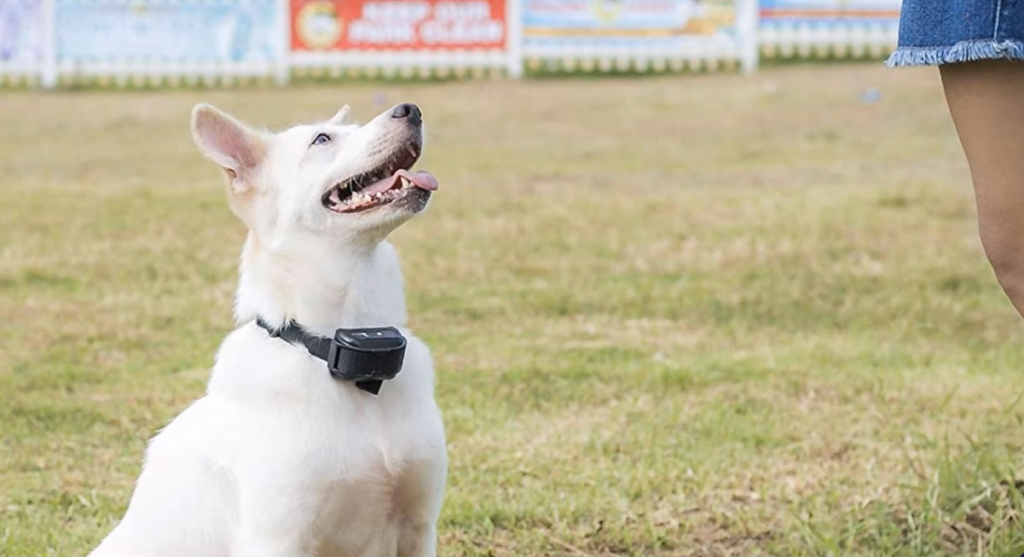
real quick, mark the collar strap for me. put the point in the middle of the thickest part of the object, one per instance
(367, 357)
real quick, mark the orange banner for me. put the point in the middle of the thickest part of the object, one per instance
(332, 25)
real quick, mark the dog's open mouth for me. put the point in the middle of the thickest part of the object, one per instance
(386, 183)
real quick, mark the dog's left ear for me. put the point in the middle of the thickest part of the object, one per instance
(229, 143)
(342, 118)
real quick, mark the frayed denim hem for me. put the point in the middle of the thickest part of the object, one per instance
(963, 51)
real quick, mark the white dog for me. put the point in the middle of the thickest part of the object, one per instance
(280, 458)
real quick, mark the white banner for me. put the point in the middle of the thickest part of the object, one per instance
(21, 36)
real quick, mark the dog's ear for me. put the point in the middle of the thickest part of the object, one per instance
(229, 143)
(342, 118)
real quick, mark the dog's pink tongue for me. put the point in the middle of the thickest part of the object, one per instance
(422, 179)
(380, 185)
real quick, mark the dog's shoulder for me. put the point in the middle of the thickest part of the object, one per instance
(252, 366)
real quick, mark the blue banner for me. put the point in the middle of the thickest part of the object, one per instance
(835, 13)
(21, 32)
(169, 31)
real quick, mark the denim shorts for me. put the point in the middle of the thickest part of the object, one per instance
(934, 32)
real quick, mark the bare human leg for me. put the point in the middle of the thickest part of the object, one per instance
(986, 100)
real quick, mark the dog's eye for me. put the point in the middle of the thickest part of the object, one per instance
(321, 138)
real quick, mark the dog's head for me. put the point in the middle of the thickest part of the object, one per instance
(334, 178)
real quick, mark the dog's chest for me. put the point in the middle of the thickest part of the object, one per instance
(372, 474)
(358, 464)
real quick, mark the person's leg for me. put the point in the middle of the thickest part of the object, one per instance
(986, 100)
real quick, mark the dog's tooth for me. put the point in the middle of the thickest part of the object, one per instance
(412, 151)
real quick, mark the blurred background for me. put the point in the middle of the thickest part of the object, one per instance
(702, 277)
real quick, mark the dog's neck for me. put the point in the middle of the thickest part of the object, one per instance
(321, 285)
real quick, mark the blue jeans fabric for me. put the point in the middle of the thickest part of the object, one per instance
(934, 32)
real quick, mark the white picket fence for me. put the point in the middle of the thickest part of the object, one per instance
(142, 43)
(873, 40)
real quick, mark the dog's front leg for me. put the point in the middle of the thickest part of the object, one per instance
(260, 537)
(253, 544)
(417, 540)
(276, 519)
(421, 494)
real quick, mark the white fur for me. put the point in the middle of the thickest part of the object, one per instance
(278, 458)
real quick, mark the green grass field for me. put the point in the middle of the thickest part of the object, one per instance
(709, 314)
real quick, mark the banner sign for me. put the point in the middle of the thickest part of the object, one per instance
(398, 25)
(614, 23)
(176, 31)
(829, 12)
(21, 33)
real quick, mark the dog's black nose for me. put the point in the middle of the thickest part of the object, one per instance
(409, 112)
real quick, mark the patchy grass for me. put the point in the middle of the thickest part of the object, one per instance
(689, 315)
